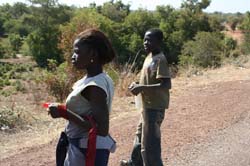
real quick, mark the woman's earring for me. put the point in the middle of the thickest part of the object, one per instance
(91, 60)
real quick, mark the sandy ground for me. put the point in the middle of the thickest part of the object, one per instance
(208, 124)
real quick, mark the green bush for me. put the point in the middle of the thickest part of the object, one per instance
(24, 50)
(15, 42)
(13, 71)
(43, 46)
(2, 51)
(246, 43)
(204, 51)
(186, 60)
(229, 45)
(7, 50)
(19, 86)
(235, 53)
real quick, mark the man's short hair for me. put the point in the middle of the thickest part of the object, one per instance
(157, 33)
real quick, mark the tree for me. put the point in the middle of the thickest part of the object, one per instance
(2, 30)
(43, 46)
(139, 21)
(12, 18)
(115, 11)
(18, 9)
(131, 33)
(245, 27)
(46, 18)
(204, 51)
(195, 6)
(215, 24)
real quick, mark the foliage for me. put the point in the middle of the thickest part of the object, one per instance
(58, 81)
(41, 21)
(24, 50)
(245, 27)
(44, 39)
(11, 75)
(115, 11)
(132, 34)
(6, 49)
(15, 42)
(13, 117)
(13, 17)
(2, 30)
(139, 22)
(179, 26)
(195, 6)
(215, 24)
(1, 51)
(8, 118)
(229, 45)
(204, 50)
(43, 45)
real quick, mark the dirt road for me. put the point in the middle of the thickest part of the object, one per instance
(206, 125)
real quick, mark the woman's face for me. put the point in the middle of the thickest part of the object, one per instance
(82, 55)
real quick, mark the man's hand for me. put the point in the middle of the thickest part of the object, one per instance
(135, 88)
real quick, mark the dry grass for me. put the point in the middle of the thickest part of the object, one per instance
(123, 84)
(206, 77)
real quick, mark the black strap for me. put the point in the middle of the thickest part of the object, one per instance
(61, 149)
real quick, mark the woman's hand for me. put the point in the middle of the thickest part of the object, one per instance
(53, 110)
(135, 88)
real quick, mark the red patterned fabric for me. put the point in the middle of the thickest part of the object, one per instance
(91, 150)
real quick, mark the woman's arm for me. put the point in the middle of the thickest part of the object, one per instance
(97, 98)
(80, 121)
(56, 112)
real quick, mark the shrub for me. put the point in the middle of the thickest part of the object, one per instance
(204, 51)
(229, 45)
(24, 50)
(43, 46)
(15, 42)
(19, 86)
(7, 50)
(13, 117)
(2, 51)
(246, 44)
(58, 81)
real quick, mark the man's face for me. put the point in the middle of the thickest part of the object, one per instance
(150, 42)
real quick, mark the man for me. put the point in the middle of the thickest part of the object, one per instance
(153, 89)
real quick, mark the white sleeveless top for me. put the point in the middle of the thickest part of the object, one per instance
(81, 106)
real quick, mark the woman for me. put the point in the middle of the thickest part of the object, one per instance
(89, 104)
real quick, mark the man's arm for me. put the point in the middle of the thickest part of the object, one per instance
(165, 83)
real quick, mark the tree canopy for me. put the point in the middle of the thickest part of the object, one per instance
(48, 27)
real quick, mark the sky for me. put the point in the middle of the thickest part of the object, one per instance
(225, 6)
